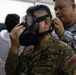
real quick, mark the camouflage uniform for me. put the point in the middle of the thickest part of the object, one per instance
(53, 58)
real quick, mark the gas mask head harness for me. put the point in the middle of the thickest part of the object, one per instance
(30, 35)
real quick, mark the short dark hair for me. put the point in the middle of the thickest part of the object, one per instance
(32, 9)
(11, 21)
(68, 0)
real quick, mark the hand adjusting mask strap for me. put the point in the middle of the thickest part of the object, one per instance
(30, 35)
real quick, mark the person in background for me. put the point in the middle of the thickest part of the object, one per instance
(2, 26)
(65, 21)
(49, 56)
(11, 21)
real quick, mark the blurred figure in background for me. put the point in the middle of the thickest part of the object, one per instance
(11, 21)
(2, 26)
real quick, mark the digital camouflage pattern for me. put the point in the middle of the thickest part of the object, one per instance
(53, 58)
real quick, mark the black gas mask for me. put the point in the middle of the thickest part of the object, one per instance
(30, 35)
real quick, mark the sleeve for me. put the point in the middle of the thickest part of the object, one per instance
(69, 38)
(69, 61)
(70, 65)
(11, 65)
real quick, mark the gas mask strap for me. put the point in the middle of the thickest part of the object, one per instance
(38, 19)
(44, 33)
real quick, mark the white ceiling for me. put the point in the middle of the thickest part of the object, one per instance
(46, 1)
(42, 1)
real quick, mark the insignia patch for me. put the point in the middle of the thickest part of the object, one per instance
(71, 63)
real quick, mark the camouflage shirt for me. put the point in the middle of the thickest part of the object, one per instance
(53, 58)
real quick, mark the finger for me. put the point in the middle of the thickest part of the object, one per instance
(57, 20)
(20, 31)
(16, 32)
(17, 28)
(56, 26)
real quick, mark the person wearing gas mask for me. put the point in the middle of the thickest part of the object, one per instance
(65, 21)
(49, 56)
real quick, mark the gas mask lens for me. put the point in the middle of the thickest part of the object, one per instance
(29, 20)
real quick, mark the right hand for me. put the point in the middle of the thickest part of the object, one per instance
(58, 26)
(14, 37)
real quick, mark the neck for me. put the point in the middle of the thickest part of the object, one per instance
(43, 40)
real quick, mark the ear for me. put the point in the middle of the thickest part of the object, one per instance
(46, 23)
(74, 6)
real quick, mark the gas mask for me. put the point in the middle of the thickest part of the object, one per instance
(30, 35)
